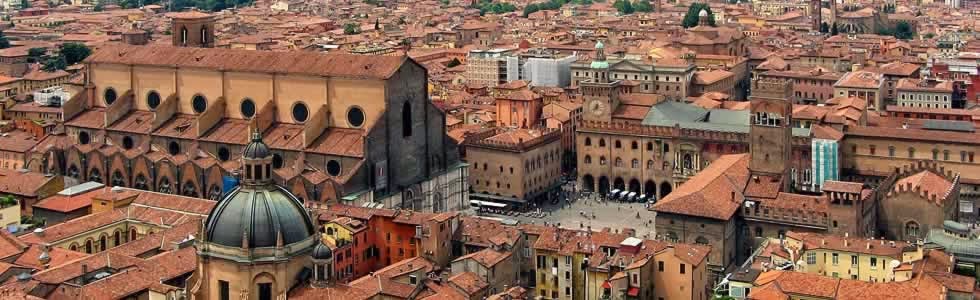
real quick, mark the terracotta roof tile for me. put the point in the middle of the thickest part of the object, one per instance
(487, 257)
(341, 142)
(813, 241)
(295, 62)
(134, 122)
(22, 183)
(468, 282)
(709, 193)
(92, 118)
(843, 186)
(226, 131)
(65, 204)
(930, 184)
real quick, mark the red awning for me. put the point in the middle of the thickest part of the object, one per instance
(606, 285)
(633, 291)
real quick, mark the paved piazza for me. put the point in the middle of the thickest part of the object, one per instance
(615, 215)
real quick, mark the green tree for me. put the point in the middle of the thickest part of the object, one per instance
(824, 27)
(55, 63)
(351, 28)
(643, 6)
(25, 4)
(530, 9)
(99, 6)
(74, 52)
(833, 29)
(929, 35)
(903, 30)
(377, 24)
(35, 54)
(623, 6)
(453, 63)
(4, 42)
(693, 16)
(8, 201)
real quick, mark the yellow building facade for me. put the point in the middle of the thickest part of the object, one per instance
(851, 258)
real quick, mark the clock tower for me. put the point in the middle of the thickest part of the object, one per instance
(601, 94)
(771, 129)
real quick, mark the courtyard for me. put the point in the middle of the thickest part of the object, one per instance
(587, 211)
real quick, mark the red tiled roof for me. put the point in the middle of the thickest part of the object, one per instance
(22, 183)
(930, 184)
(813, 241)
(59, 256)
(843, 186)
(92, 118)
(340, 141)
(10, 245)
(237, 60)
(65, 204)
(468, 282)
(487, 257)
(710, 193)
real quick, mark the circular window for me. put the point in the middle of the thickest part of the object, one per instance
(300, 112)
(153, 99)
(199, 103)
(109, 96)
(248, 108)
(84, 138)
(127, 143)
(276, 161)
(355, 116)
(223, 154)
(173, 148)
(333, 167)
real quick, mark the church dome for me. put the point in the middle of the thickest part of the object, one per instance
(259, 214)
(256, 148)
(322, 251)
(258, 211)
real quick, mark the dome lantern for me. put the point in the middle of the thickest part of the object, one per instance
(256, 162)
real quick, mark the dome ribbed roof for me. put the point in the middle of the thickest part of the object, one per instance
(256, 149)
(322, 251)
(261, 213)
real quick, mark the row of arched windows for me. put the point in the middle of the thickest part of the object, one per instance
(634, 145)
(103, 243)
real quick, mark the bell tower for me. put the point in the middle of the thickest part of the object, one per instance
(771, 128)
(601, 94)
(192, 29)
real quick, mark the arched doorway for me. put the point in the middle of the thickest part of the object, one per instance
(603, 185)
(634, 186)
(588, 183)
(665, 189)
(619, 184)
(650, 189)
